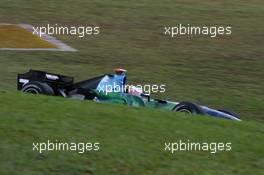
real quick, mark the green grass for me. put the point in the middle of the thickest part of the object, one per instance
(225, 72)
(131, 139)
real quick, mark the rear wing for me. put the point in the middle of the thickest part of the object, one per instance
(41, 76)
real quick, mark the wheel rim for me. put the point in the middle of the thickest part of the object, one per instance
(32, 91)
(185, 111)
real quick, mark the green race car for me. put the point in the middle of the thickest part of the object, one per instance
(108, 88)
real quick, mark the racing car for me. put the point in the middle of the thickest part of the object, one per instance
(108, 88)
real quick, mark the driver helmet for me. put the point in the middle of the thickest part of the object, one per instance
(120, 71)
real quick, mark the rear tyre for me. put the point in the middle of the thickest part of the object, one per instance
(189, 108)
(36, 87)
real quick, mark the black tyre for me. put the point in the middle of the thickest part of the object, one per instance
(189, 108)
(229, 112)
(36, 87)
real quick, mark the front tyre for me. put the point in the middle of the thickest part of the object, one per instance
(36, 87)
(189, 108)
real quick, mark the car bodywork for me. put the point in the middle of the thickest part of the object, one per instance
(40, 82)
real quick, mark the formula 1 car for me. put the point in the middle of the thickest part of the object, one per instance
(107, 88)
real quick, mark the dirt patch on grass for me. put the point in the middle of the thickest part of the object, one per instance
(14, 36)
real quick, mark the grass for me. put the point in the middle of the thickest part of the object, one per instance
(224, 72)
(129, 144)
